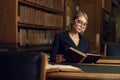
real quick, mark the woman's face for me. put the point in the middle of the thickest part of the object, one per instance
(79, 24)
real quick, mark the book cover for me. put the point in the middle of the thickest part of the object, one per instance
(76, 56)
(91, 58)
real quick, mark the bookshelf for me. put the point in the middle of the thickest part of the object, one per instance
(108, 24)
(108, 28)
(107, 5)
(30, 24)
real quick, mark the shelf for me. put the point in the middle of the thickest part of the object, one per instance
(42, 7)
(43, 47)
(33, 26)
(107, 5)
(106, 16)
(106, 22)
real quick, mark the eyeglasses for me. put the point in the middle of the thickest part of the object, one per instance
(79, 22)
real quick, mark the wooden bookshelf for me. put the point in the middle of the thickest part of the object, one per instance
(108, 27)
(27, 23)
(107, 5)
(108, 23)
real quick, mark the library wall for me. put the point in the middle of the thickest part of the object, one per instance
(93, 8)
(8, 22)
(101, 27)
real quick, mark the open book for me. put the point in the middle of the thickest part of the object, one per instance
(59, 67)
(76, 56)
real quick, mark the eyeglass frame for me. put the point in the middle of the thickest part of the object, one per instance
(80, 22)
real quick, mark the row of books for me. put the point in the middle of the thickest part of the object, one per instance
(55, 4)
(35, 37)
(33, 16)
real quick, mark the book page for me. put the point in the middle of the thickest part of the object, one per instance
(58, 67)
(68, 68)
(51, 68)
(93, 54)
(78, 51)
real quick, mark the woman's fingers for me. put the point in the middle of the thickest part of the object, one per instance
(59, 58)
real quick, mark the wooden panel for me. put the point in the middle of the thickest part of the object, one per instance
(44, 61)
(8, 29)
(93, 8)
(68, 13)
(108, 5)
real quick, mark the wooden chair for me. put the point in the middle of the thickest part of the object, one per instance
(112, 49)
(19, 66)
(111, 54)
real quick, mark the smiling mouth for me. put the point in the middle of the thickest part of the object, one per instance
(79, 29)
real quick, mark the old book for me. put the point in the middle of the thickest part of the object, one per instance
(59, 67)
(76, 56)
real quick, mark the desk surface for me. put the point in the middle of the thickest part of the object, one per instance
(99, 68)
(78, 76)
(91, 71)
(108, 61)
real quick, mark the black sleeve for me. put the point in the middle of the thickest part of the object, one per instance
(88, 49)
(55, 47)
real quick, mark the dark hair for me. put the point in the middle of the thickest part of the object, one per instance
(80, 13)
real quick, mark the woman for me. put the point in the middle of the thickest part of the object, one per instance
(72, 37)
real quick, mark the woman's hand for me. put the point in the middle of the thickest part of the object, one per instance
(59, 58)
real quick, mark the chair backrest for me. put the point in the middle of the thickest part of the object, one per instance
(112, 49)
(22, 66)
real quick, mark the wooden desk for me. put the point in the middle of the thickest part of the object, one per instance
(81, 76)
(91, 72)
(108, 61)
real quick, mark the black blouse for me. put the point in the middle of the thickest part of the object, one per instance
(62, 42)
